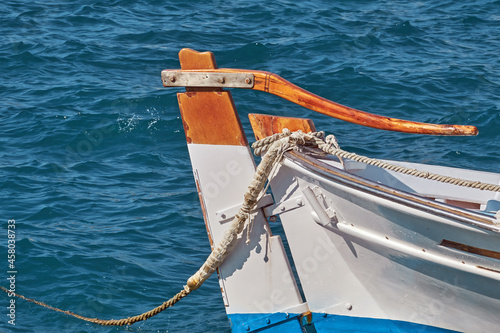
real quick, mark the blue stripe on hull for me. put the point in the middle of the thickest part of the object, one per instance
(275, 322)
(369, 325)
(281, 322)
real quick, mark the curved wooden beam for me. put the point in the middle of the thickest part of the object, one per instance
(276, 85)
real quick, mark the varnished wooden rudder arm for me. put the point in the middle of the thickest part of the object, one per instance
(213, 78)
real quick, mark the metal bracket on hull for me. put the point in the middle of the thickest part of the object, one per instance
(285, 206)
(322, 213)
(227, 214)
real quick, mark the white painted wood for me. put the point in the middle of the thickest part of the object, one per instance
(256, 277)
(384, 260)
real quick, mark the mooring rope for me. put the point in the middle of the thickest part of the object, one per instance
(218, 254)
(112, 322)
(273, 147)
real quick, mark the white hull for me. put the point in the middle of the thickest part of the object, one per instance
(373, 250)
(389, 254)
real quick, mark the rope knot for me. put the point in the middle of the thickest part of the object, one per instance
(298, 137)
(331, 142)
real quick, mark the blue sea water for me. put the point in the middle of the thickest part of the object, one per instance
(94, 167)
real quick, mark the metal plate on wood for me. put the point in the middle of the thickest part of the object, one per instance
(284, 206)
(172, 78)
(227, 214)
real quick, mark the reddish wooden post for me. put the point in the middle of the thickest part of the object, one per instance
(208, 114)
(265, 125)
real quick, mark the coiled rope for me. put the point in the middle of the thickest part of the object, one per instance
(273, 147)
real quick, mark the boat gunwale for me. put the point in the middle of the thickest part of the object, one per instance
(441, 209)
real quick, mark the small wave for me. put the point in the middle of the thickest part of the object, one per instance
(404, 29)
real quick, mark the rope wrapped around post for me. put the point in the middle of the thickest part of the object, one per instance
(272, 148)
(220, 251)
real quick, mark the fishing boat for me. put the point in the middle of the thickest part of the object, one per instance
(372, 246)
